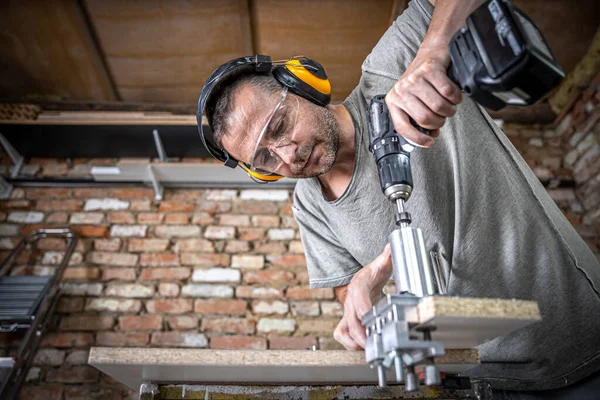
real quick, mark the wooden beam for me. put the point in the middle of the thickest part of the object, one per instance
(246, 27)
(539, 113)
(398, 7)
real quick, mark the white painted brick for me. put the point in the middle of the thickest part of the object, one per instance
(281, 234)
(194, 339)
(536, 142)
(9, 230)
(105, 204)
(177, 231)
(248, 261)
(130, 290)
(221, 195)
(114, 305)
(26, 217)
(56, 257)
(6, 244)
(200, 290)
(270, 307)
(129, 230)
(220, 232)
(78, 357)
(52, 357)
(571, 157)
(82, 289)
(305, 308)
(86, 218)
(216, 275)
(33, 374)
(38, 270)
(332, 308)
(296, 247)
(273, 195)
(267, 325)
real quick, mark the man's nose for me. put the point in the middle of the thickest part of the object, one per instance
(286, 152)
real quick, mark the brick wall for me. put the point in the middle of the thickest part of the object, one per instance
(216, 268)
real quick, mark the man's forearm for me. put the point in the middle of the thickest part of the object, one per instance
(448, 17)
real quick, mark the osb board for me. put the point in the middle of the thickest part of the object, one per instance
(48, 52)
(132, 366)
(165, 50)
(468, 322)
(337, 33)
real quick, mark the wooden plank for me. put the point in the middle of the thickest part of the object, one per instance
(132, 366)
(246, 27)
(337, 33)
(47, 51)
(398, 7)
(165, 50)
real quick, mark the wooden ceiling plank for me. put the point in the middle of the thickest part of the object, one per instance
(246, 27)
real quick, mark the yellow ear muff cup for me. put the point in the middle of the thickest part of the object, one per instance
(298, 70)
(259, 176)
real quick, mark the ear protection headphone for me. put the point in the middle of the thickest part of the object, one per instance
(301, 75)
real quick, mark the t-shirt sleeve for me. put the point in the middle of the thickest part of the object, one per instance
(328, 263)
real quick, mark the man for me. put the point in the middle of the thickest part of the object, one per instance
(480, 207)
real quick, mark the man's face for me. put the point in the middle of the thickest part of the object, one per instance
(309, 140)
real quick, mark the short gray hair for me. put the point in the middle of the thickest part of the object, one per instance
(223, 101)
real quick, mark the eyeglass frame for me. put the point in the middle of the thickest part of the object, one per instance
(278, 105)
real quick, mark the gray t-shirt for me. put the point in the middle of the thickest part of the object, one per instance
(482, 209)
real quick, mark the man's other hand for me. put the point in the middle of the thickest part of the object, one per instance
(358, 297)
(425, 93)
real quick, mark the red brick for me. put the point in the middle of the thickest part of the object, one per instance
(90, 230)
(205, 260)
(265, 221)
(69, 305)
(220, 306)
(117, 259)
(195, 244)
(16, 205)
(151, 218)
(107, 244)
(147, 245)
(214, 206)
(148, 322)
(302, 277)
(177, 219)
(292, 342)
(120, 339)
(168, 289)
(203, 219)
(179, 339)
(120, 217)
(169, 306)
(132, 193)
(59, 205)
(67, 339)
(182, 322)
(287, 209)
(51, 244)
(320, 326)
(305, 293)
(287, 260)
(119, 274)
(81, 273)
(257, 292)
(166, 274)
(238, 342)
(87, 323)
(73, 374)
(183, 194)
(140, 205)
(168, 206)
(256, 207)
(229, 325)
(251, 233)
(159, 259)
(2, 216)
(57, 218)
(237, 246)
(234, 220)
(40, 193)
(266, 276)
(89, 192)
(45, 392)
(269, 248)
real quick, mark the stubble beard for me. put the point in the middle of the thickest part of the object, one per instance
(327, 134)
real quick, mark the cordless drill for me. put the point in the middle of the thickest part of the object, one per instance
(500, 58)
